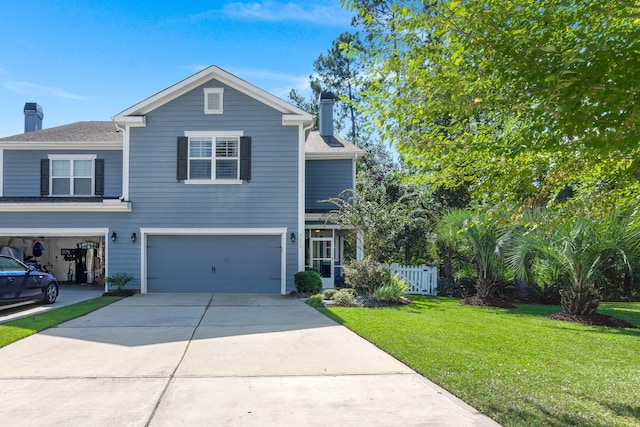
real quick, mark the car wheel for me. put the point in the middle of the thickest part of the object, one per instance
(50, 294)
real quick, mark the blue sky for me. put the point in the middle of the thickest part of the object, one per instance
(89, 60)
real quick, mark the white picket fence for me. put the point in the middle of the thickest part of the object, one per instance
(423, 280)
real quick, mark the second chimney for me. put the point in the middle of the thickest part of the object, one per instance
(33, 116)
(325, 112)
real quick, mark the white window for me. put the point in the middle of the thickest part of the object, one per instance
(214, 157)
(71, 175)
(213, 100)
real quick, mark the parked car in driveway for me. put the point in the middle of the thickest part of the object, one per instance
(21, 284)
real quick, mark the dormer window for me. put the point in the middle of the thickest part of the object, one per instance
(213, 100)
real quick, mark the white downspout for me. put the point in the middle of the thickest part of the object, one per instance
(301, 196)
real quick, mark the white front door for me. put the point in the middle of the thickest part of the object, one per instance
(322, 259)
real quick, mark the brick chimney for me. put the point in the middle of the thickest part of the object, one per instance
(33, 116)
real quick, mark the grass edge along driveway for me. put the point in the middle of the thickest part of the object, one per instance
(515, 365)
(15, 330)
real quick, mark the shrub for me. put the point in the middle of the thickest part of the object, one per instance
(315, 301)
(392, 290)
(344, 297)
(308, 282)
(329, 293)
(366, 276)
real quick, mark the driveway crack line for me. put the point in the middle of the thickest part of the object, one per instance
(172, 375)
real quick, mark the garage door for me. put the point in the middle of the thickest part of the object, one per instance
(205, 264)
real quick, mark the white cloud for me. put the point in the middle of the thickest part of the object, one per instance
(326, 13)
(34, 89)
(300, 84)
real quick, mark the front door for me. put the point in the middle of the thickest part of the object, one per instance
(322, 259)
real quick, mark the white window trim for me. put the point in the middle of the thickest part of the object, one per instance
(213, 135)
(73, 157)
(210, 90)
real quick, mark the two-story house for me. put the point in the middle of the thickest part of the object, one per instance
(211, 185)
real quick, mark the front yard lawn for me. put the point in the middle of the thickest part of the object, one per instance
(15, 330)
(515, 365)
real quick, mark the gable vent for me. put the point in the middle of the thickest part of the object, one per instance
(213, 100)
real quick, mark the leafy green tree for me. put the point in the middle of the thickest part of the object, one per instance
(516, 100)
(391, 216)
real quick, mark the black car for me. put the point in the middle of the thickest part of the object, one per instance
(21, 284)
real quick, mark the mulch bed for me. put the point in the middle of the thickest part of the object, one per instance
(595, 319)
(368, 301)
(487, 302)
(119, 293)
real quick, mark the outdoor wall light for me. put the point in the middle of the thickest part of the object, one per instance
(134, 237)
(293, 237)
(113, 236)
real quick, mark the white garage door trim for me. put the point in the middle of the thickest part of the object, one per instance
(282, 232)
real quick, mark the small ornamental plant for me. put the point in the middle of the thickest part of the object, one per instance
(117, 283)
(308, 282)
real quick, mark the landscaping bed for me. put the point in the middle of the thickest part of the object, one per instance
(368, 301)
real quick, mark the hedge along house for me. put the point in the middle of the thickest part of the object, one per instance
(210, 185)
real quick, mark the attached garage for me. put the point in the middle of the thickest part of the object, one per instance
(214, 261)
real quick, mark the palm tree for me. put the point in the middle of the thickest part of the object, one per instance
(620, 260)
(479, 239)
(577, 250)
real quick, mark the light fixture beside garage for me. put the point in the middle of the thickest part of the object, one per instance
(292, 237)
(134, 237)
(113, 236)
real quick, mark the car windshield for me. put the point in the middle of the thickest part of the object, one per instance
(10, 264)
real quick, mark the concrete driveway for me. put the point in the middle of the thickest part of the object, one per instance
(224, 359)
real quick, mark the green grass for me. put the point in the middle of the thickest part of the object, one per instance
(515, 365)
(15, 330)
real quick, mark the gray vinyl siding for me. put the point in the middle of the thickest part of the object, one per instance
(326, 179)
(22, 171)
(269, 200)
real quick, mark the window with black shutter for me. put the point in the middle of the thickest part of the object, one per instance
(245, 158)
(214, 157)
(71, 175)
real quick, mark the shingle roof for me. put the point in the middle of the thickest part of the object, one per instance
(316, 144)
(74, 132)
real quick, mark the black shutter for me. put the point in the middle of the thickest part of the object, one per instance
(245, 158)
(183, 158)
(99, 166)
(44, 177)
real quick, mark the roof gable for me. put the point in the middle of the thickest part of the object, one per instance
(134, 113)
